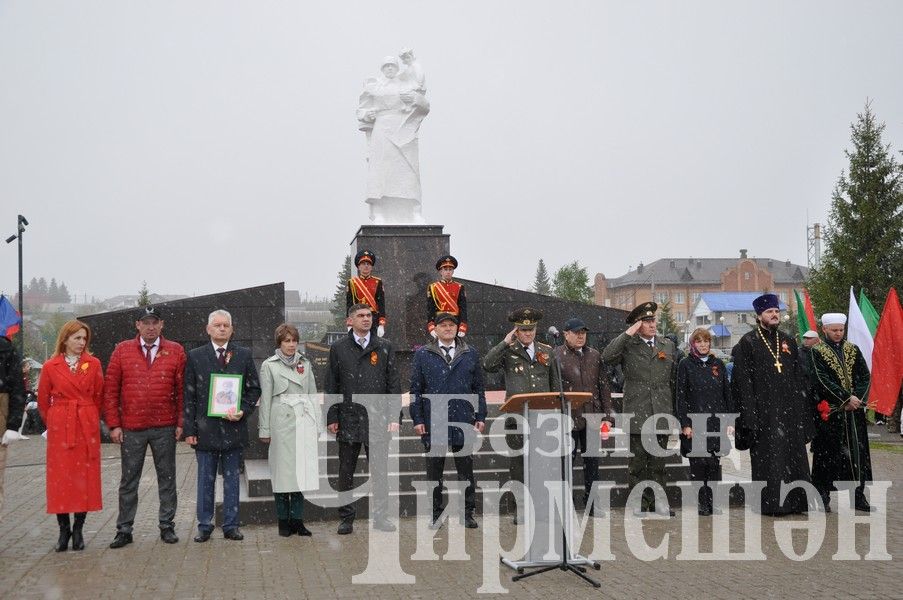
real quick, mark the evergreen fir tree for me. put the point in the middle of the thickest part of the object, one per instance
(541, 283)
(864, 236)
(143, 295)
(338, 298)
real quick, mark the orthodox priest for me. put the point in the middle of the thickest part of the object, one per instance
(840, 449)
(769, 387)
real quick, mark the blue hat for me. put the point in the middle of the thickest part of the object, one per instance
(575, 324)
(764, 302)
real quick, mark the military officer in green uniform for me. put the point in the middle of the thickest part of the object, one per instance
(528, 367)
(648, 361)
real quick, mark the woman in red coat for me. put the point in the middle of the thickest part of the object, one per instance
(69, 396)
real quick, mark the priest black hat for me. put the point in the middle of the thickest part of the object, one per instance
(764, 302)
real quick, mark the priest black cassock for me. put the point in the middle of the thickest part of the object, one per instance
(840, 449)
(769, 387)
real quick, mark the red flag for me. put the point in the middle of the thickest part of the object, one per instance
(887, 358)
(810, 312)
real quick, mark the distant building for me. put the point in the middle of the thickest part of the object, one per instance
(727, 315)
(682, 280)
(131, 300)
(311, 317)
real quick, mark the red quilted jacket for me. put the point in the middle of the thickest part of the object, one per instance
(135, 397)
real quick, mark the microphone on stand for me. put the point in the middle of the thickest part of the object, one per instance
(553, 333)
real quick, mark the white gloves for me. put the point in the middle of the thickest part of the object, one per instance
(381, 331)
(31, 405)
(434, 334)
(461, 334)
(10, 435)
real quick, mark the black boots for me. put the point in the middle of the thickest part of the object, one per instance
(78, 542)
(285, 527)
(65, 532)
(299, 528)
(289, 527)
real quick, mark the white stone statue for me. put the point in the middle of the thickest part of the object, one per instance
(390, 112)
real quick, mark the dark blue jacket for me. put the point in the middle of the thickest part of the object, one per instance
(430, 374)
(216, 434)
(702, 387)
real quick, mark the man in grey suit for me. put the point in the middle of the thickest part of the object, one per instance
(648, 361)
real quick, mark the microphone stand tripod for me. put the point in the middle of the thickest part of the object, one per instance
(565, 564)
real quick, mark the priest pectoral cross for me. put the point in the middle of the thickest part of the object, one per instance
(778, 365)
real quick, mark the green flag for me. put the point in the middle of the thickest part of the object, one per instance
(868, 313)
(801, 320)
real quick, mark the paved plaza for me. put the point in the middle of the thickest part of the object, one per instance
(267, 566)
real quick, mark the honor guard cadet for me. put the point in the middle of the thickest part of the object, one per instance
(367, 289)
(528, 368)
(446, 296)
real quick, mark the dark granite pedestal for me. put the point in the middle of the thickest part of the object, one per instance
(406, 258)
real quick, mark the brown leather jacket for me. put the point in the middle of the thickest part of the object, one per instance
(585, 372)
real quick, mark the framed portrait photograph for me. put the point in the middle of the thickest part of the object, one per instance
(225, 394)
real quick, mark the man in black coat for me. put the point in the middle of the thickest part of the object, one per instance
(218, 439)
(12, 400)
(769, 390)
(362, 369)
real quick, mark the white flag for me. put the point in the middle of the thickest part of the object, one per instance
(858, 332)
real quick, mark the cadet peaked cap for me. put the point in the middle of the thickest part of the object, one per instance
(364, 255)
(447, 261)
(643, 312)
(149, 312)
(764, 302)
(445, 316)
(525, 318)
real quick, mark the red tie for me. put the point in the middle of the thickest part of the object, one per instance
(150, 361)
(222, 356)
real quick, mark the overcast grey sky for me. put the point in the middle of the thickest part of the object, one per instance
(205, 146)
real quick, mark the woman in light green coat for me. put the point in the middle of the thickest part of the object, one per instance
(290, 422)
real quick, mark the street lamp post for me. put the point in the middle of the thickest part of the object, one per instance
(721, 319)
(21, 223)
(687, 331)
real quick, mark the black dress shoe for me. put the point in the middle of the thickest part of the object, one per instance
(470, 522)
(704, 511)
(345, 527)
(233, 534)
(383, 524)
(168, 536)
(202, 537)
(864, 506)
(121, 539)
